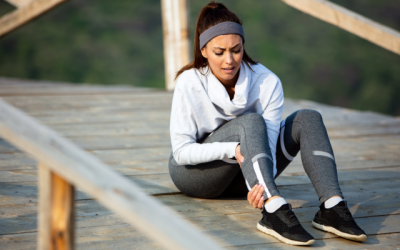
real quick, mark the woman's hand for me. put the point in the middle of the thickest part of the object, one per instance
(255, 197)
(238, 155)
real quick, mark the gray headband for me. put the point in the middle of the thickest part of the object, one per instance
(220, 29)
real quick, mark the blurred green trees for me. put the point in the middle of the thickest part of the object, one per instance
(120, 42)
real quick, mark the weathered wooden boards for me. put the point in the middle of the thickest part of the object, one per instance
(141, 156)
(228, 218)
(15, 87)
(129, 131)
(147, 112)
(123, 237)
(354, 23)
(25, 192)
(82, 170)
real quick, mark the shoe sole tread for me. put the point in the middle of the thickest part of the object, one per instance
(283, 239)
(360, 238)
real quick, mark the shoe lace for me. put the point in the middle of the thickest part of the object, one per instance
(291, 217)
(345, 213)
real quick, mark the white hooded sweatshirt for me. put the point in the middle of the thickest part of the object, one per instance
(201, 104)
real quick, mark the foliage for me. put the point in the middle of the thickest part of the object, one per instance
(120, 42)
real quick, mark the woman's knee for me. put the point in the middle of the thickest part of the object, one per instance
(309, 116)
(253, 120)
(253, 117)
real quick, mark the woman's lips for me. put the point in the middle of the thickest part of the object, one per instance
(228, 70)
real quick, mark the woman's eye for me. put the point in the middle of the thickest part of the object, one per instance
(220, 54)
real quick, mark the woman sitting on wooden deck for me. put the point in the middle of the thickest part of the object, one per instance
(228, 138)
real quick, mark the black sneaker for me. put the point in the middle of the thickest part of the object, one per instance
(284, 225)
(338, 220)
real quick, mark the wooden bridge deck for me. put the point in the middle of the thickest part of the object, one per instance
(128, 128)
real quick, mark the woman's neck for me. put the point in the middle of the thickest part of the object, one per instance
(229, 84)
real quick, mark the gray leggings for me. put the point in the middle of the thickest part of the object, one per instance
(304, 129)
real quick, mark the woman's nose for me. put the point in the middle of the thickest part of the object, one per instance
(229, 58)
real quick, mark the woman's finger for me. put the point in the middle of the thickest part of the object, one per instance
(258, 196)
(254, 202)
(261, 202)
(250, 194)
(253, 194)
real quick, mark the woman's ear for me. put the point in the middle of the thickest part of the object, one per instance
(203, 52)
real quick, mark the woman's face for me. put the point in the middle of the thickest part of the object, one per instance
(224, 54)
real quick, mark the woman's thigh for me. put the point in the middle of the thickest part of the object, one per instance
(206, 180)
(211, 179)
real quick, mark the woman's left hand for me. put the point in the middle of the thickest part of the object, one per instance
(255, 196)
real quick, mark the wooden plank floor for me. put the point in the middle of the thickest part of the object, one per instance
(128, 128)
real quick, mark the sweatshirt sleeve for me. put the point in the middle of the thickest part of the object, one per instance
(183, 132)
(273, 114)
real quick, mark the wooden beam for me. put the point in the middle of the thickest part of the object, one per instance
(352, 22)
(19, 3)
(176, 38)
(56, 211)
(110, 188)
(25, 13)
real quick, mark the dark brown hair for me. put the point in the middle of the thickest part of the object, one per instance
(212, 14)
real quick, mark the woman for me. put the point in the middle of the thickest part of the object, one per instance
(228, 139)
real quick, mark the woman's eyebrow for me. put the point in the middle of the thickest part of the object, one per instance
(225, 49)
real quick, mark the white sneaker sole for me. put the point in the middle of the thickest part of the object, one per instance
(360, 238)
(283, 239)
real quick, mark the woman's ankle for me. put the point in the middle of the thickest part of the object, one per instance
(274, 204)
(272, 198)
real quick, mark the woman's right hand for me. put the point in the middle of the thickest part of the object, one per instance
(255, 196)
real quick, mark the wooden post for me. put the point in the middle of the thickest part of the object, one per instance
(56, 212)
(176, 38)
(352, 22)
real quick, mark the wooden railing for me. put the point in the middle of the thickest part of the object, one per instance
(63, 166)
(25, 12)
(348, 20)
